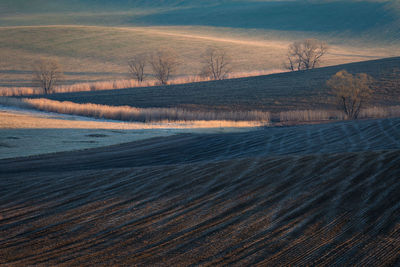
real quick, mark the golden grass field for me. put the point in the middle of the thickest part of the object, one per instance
(11, 120)
(99, 53)
(149, 118)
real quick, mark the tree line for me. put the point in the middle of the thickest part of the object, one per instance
(216, 64)
(351, 91)
(163, 63)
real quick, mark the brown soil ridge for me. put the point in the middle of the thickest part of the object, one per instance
(305, 195)
(289, 210)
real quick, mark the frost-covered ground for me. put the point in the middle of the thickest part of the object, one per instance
(28, 132)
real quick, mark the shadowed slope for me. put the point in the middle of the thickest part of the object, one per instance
(329, 209)
(376, 20)
(300, 140)
(340, 17)
(98, 53)
(306, 195)
(276, 92)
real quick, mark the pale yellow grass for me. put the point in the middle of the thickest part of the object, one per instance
(310, 115)
(18, 91)
(87, 50)
(16, 120)
(123, 84)
(324, 115)
(380, 112)
(107, 49)
(9, 120)
(127, 113)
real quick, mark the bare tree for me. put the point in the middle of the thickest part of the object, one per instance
(164, 63)
(136, 67)
(217, 64)
(351, 91)
(47, 73)
(306, 54)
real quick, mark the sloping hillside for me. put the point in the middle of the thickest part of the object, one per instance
(93, 39)
(94, 53)
(309, 195)
(332, 138)
(369, 19)
(305, 195)
(352, 17)
(47, 6)
(276, 92)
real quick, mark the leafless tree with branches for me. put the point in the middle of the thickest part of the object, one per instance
(217, 64)
(351, 91)
(306, 54)
(47, 73)
(136, 67)
(164, 63)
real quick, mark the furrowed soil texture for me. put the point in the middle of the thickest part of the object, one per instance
(302, 195)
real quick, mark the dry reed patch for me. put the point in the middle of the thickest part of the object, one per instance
(10, 120)
(126, 83)
(127, 113)
(325, 115)
(310, 115)
(177, 117)
(380, 112)
(19, 91)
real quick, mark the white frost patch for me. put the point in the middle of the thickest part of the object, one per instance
(28, 142)
(26, 133)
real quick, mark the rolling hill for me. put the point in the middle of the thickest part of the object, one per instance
(94, 53)
(276, 92)
(305, 195)
(94, 39)
(339, 17)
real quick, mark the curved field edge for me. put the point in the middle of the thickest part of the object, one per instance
(26, 132)
(174, 117)
(314, 194)
(303, 90)
(95, 53)
(128, 113)
(331, 138)
(294, 210)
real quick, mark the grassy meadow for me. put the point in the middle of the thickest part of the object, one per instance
(94, 39)
(99, 53)
(292, 97)
(300, 90)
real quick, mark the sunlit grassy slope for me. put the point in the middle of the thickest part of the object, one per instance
(257, 33)
(90, 53)
(285, 91)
